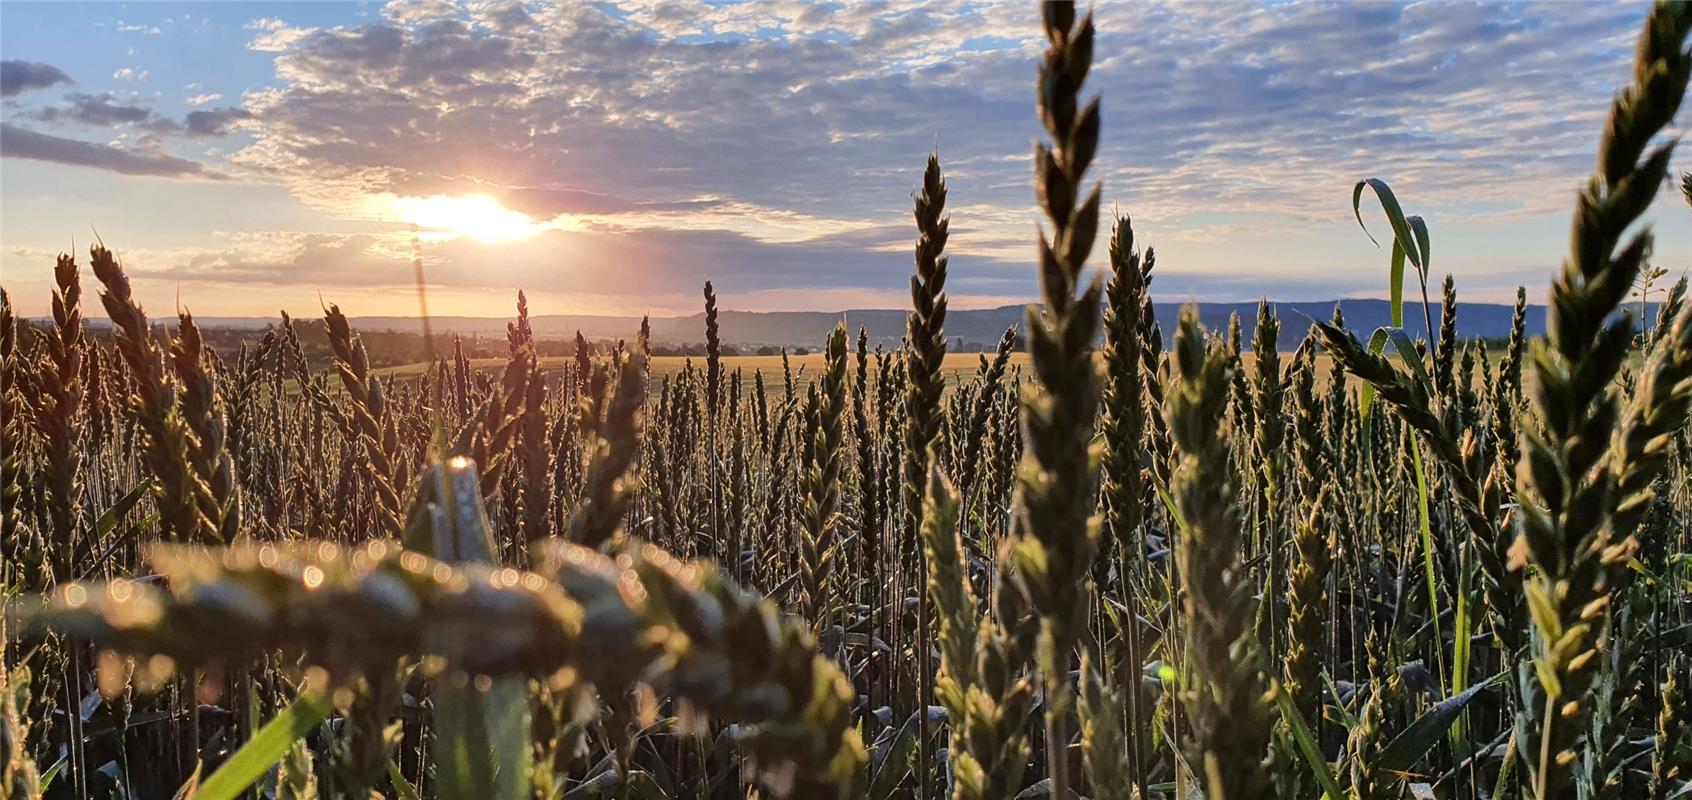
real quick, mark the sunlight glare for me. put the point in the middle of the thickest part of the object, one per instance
(479, 217)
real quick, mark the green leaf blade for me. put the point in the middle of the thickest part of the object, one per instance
(266, 748)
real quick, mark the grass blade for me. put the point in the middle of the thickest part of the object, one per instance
(266, 748)
(1307, 745)
(1401, 754)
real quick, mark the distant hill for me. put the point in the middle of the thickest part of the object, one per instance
(973, 326)
(982, 327)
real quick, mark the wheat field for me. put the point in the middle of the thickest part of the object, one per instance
(957, 368)
(1132, 559)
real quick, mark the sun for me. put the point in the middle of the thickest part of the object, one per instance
(477, 216)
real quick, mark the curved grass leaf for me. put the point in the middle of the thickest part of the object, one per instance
(1419, 227)
(1307, 746)
(1410, 241)
(109, 519)
(894, 763)
(1424, 733)
(1408, 354)
(1395, 285)
(266, 748)
(402, 787)
(51, 773)
(1395, 216)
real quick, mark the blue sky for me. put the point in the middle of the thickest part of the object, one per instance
(609, 158)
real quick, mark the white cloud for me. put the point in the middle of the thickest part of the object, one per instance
(274, 35)
(419, 10)
(202, 99)
(130, 74)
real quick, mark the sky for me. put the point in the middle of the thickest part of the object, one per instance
(611, 157)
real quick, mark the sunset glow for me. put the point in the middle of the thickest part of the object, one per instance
(479, 217)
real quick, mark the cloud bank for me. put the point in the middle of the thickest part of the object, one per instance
(17, 77)
(23, 143)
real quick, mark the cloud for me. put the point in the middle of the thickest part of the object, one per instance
(214, 122)
(203, 99)
(503, 15)
(17, 77)
(129, 74)
(18, 142)
(274, 35)
(105, 110)
(419, 10)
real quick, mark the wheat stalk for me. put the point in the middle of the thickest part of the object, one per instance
(177, 489)
(1571, 527)
(925, 330)
(1226, 702)
(820, 510)
(611, 419)
(56, 397)
(202, 408)
(1056, 531)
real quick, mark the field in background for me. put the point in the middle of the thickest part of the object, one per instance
(956, 368)
(805, 368)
